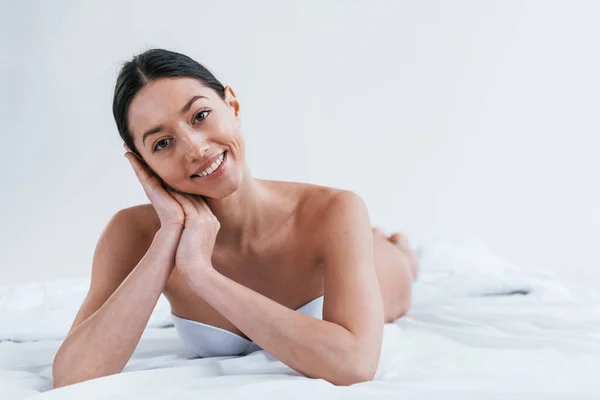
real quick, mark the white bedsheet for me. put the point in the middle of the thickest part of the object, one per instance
(454, 343)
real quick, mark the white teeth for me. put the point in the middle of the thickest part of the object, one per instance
(213, 167)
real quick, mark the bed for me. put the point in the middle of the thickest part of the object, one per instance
(479, 327)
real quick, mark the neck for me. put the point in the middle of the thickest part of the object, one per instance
(246, 214)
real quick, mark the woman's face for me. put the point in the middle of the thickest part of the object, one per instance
(179, 125)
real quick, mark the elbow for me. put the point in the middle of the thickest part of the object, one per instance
(57, 380)
(352, 376)
(62, 372)
(356, 375)
(357, 369)
(359, 362)
(58, 383)
(59, 377)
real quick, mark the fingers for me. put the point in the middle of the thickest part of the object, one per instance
(200, 204)
(197, 206)
(193, 206)
(146, 178)
(186, 203)
(140, 170)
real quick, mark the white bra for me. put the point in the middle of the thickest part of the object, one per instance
(209, 341)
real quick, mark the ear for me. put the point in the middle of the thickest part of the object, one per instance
(232, 101)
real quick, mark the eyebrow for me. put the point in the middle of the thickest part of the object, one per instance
(185, 109)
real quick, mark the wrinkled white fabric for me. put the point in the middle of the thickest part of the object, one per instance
(461, 339)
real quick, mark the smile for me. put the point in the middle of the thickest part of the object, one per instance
(214, 168)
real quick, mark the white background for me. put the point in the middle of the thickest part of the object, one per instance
(477, 117)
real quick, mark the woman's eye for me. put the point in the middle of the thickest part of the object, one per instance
(157, 146)
(201, 115)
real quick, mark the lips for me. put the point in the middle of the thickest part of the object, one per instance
(207, 164)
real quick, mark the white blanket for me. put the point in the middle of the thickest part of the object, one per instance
(454, 343)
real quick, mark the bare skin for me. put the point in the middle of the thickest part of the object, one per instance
(271, 264)
(235, 252)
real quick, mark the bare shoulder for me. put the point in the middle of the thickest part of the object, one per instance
(132, 229)
(124, 241)
(329, 216)
(321, 206)
(141, 218)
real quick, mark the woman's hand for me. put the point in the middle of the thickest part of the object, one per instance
(197, 241)
(169, 210)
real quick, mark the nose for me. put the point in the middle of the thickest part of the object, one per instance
(195, 145)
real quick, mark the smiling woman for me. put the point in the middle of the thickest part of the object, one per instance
(168, 98)
(246, 264)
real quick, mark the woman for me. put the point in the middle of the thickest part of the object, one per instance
(246, 263)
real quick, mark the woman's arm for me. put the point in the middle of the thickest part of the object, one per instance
(109, 325)
(345, 346)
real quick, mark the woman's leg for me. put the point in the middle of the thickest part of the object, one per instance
(396, 266)
(402, 242)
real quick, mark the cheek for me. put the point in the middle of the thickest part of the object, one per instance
(235, 132)
(228, 125)
(166, 173)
